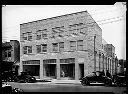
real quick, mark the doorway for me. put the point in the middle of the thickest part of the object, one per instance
(81, 67)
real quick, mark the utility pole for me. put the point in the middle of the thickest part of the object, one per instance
(94, 54)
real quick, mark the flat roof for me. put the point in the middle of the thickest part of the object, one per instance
(54, 17)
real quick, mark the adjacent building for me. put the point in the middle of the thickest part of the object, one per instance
(11, 56)
(62, 47)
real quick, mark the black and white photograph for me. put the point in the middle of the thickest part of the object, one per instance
(64, 48)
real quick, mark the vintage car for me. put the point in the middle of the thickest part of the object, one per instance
(8, 76)
(119, 79)
(96, 77)
(7, 89)
(25, 77)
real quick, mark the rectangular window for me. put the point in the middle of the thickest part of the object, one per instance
(38, 35)
(38, 47)
(24, 36)
(9, 53)
(29, 36)
(80, 45)
(29, 49)
(61, 46)
(44, 47)
(55, 47)
(44, 35)
(72, 45)
(25, 49)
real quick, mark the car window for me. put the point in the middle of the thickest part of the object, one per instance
(97, 74)
(91, 74)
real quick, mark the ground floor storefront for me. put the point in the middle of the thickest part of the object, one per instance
(51, 69)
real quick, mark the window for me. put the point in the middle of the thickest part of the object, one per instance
(72, 45)
(55, 47)
(38, 47)
(80, 45)
(44, 35)
(44, 47)
(27, 49)
(9, 53)
(24, 36)
(61, 46)
(38, 35)
(29, 36)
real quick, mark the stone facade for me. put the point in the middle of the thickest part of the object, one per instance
(69, 29)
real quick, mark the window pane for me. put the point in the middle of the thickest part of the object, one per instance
(73, 45)
(25, 49)
(80, 48)
(24, 36)
(9, 54)
(55, 46)
(29, 49)
(44, 35)
(61, 46)
(44, 48)
(80, 42)
(38, 35)
(29, 36)
(38, 48)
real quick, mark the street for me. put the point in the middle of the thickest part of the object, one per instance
(52, 87)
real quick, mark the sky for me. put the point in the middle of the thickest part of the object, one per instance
(111, 19)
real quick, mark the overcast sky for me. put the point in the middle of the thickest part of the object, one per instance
(111, 19)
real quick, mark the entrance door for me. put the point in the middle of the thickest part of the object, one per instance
(81, 67)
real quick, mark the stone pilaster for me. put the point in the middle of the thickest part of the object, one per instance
(58, 68)
(41, 69)
(76, 69)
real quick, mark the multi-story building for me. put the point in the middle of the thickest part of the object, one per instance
(11, 55)
(61, 47)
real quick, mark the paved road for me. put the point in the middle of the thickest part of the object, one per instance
(52, 87)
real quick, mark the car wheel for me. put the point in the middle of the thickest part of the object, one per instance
(85, 82)
(108, 82)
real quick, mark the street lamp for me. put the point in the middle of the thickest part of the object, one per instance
(94, 54)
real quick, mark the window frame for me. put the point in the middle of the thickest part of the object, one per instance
(80, 45)
(53, 47)
(43, 47)
(73, 46)
(61, 46)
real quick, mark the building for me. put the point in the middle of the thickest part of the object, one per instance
(11, 55)
(62, 47)
(122, 66)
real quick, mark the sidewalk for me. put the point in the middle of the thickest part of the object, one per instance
(65, 81)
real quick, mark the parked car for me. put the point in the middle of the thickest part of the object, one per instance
(7, 89)
(25, 77)
(119, 79)
(8, 76)
(96, 77)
